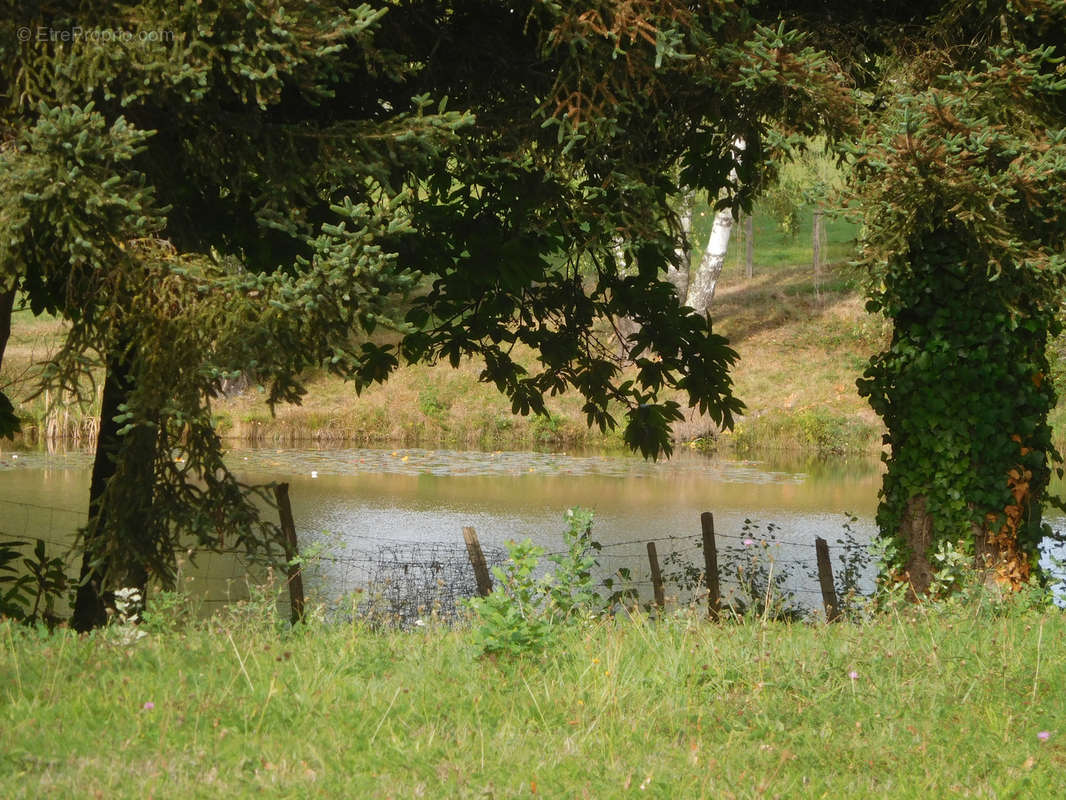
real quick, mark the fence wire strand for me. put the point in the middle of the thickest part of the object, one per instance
(404, 580)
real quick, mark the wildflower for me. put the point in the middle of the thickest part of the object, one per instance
(149, 706)
(1044, 735)
(853, 675)
(749, 542)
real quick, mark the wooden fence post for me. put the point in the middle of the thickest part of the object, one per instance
(825, 578)
(710, 561)
(292, 552)
(477, 561)
(656, 576)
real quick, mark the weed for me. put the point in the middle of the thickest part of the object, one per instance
(855, 559)
(513, 618)
(546, 428)
(760, 579)
(522, 613)
(29, 593)
(430, 404)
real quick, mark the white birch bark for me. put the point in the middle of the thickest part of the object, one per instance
(624, 326)
(701, 290)
(619, 256)
(705, 281)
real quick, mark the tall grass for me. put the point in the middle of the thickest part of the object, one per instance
(968, 702)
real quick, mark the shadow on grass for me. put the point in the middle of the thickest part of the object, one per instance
(774, 299)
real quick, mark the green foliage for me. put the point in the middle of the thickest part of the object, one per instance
(511, 618)
(168, 611)
(811, 177)
(759, 580)
(961, 189)
(571, 594)
(523, 612)
(29, 591)
(855, 557)
(430, 403)
(256, 190)
(15, 586)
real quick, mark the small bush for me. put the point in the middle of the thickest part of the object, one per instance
(522, 613)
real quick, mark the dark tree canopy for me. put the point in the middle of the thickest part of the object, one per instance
(212, 189)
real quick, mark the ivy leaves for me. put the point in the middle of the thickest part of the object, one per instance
(960, 182)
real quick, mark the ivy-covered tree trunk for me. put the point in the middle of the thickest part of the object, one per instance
(116, 535)
(960, 179)
(964, 394)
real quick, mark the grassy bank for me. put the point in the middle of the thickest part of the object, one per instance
(802, 340)
(802, 343)
(966, 703)
(800, 353)
(801, 348)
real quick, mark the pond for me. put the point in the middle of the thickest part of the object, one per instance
(373, 513)
(393, 518)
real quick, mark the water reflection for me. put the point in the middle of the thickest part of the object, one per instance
(354, 501)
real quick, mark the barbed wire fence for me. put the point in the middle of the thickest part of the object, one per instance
(400, 581)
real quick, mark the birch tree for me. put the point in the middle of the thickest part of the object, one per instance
(705, 280)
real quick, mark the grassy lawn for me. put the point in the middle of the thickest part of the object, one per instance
(967, 702)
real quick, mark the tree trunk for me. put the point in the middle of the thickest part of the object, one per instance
(9, 423)
(701, 289)
(917, 531)
(679, 276)
(120, 513)
(749, 246)
(817, 237)
(7, 305)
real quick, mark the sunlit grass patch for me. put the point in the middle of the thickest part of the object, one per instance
(968, 701)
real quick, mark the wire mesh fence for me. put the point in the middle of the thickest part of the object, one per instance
(401, 581)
